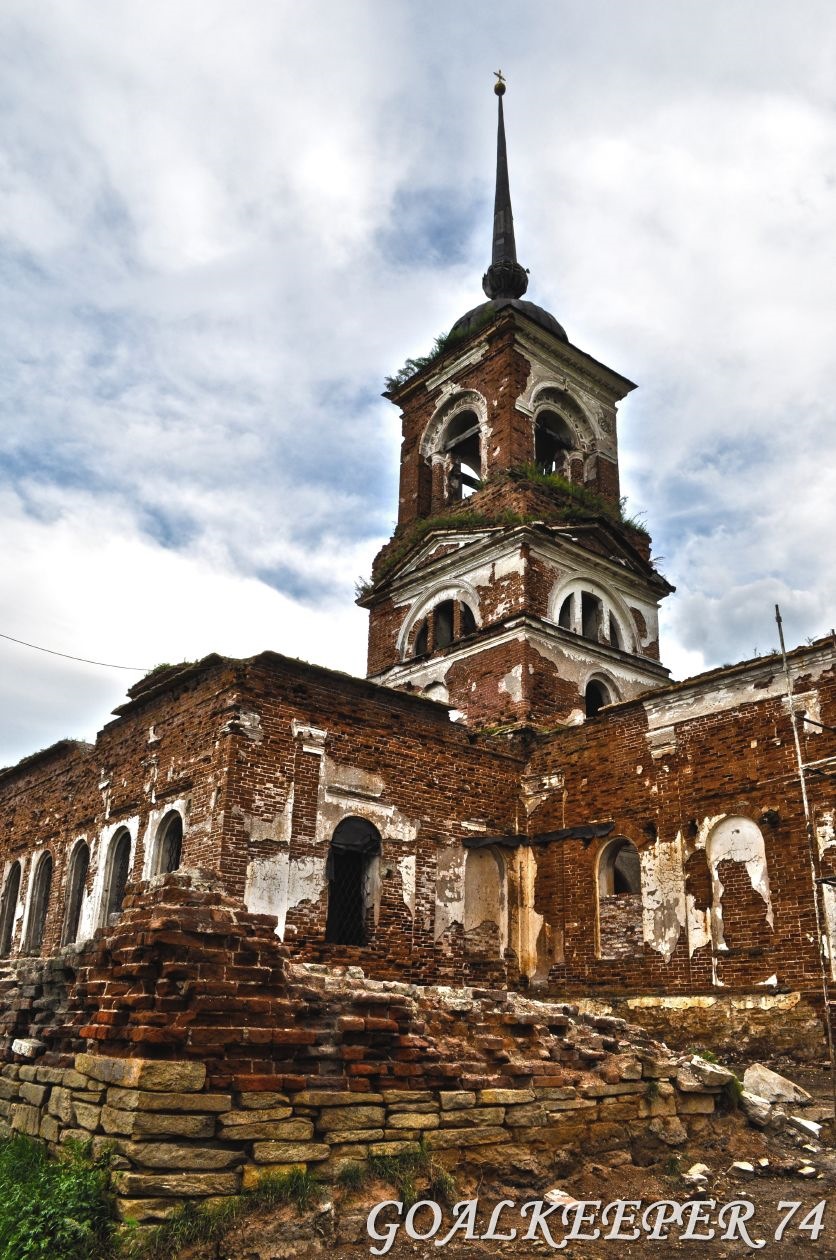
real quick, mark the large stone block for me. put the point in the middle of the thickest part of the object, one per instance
(473, 1116)
(506, 1096)
(255, 1115)
(298, 1130)
(182, 1185)
(412, 1120)
(154, 1100)
(333, 1098)
(178, 1077)
(26, 1119)
(156, 1124)
(267, 1098)
(456, 1099)
(87, 1116)
(334, 1118)
(178, 1155)
(290, 1152)
(479, 1136)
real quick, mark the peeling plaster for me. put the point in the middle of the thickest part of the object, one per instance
(663, 895)
(486, 893)
(406, 866)
(736, 840)
(757, 682)
(277, 884)
(512, 683)
(449, 889)
(826, 832)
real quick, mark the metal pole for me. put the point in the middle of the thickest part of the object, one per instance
(811, 847)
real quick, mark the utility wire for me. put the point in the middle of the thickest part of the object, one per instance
(135, 669)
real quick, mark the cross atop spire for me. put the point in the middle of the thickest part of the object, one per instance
(505, 278)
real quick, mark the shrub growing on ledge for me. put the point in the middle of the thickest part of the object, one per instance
(54, 1208)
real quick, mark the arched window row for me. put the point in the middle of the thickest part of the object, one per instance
(167, 856)
(446, 623)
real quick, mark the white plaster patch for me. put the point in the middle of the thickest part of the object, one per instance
(343, 780)
(826, 831)
(512, 683)
(663, 895)
(265, 891)
(406, 866)
(306, 881)
(486, 893)
(829, 943)
(449, 889)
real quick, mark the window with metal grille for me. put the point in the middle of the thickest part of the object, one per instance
(169, 844)
(11, 893)
(354, 846)
(117, 872)
(75, 892)
(41, 888)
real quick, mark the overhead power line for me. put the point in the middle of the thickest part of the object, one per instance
(135, 669)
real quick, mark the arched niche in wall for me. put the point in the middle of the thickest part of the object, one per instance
(619, 892)
(74, 897)
(118, 867)
(738, 840)
(352, 874)
(445, 616)
(485, 902)
(168, 844)
(41, 889)
(8, 908)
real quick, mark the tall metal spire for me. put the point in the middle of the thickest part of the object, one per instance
(505, 278)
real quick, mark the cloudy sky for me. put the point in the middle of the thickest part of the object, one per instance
(224, 223)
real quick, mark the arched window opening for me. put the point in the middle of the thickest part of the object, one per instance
(592, 612)
(462, 446)
(443, 623)
(41, 888)
(76, 879)
(449, 621)
(553, 442)
(169, 844)
(354, 847)
(619, 900)
(595, 697)
(616, 637)
(118, 869)
(564, 617)
(422, 636)
(11, 896)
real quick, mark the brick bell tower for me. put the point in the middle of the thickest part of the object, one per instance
(513, 588)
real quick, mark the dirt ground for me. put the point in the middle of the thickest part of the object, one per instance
(337, 1227)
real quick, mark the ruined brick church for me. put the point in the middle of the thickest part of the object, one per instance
(517, 795)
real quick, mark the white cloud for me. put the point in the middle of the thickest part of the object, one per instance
(223, 225)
